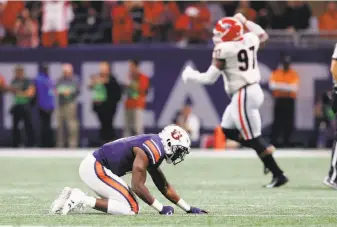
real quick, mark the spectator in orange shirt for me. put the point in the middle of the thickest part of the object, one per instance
(136, 100)
(2, 27)
(246, 10)
(2, 5)
(9, 10)
(122, 25)
(284, 85)
(150, 9)
(159, 20)
(328, 21)
(191, 27)
(2, 84)
(136, 11)
(205, 14)
(26, 30)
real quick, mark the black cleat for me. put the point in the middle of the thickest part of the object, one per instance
(277, 181)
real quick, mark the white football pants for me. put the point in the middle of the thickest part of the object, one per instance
(243, 112)
(108, 186)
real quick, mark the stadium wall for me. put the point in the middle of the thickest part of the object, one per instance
(168, 93)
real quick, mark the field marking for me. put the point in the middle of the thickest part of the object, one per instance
(196, 153)
(201, 205)
(179, 215)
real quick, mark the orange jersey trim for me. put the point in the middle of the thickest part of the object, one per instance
(99, 169)
(241, 118)
(153, 149)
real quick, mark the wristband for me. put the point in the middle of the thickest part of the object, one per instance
(157, 205)
(183, 205)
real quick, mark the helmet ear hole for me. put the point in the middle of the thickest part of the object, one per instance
(169, 142)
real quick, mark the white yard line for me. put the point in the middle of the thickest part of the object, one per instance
(196, 153)
(184, 215)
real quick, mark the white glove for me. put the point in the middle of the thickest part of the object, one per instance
(188, 71)
(240, 17)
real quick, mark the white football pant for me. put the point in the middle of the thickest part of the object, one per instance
(108, 186)
(243, 112)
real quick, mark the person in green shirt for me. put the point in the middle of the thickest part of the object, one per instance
(99, 91)
(106, 93)
(68, 88)
(23, 91)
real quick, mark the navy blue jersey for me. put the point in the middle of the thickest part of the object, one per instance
(118, 155)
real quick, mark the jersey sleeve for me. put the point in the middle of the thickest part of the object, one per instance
(222, 51)
(152, 150)
(334, 55)
(253, 38)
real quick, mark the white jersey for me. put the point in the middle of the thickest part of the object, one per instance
(334, 55)
(56, 16)
(241, 62)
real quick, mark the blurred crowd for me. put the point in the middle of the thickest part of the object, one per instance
(60, 23)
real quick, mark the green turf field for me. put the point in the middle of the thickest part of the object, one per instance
(230, 189)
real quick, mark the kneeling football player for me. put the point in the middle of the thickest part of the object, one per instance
(101, 171)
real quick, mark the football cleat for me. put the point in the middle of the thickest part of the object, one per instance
(59, 202)
(277, 182)
(74, 201)
(327, 181)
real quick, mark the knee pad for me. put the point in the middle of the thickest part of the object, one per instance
(232, 134)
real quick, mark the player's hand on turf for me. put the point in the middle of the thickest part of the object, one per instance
(186, 73)
(167, 210)
(196, 210)
(240, 17)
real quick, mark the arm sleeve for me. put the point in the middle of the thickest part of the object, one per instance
(208, 77)
(257, 30)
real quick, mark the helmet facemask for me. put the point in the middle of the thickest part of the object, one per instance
(178, 153)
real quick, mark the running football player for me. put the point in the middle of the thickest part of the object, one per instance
(102, 171)
(234, 57)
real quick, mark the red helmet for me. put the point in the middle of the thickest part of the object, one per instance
(227, 29)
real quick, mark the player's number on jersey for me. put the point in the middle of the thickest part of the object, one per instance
(244, 59)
